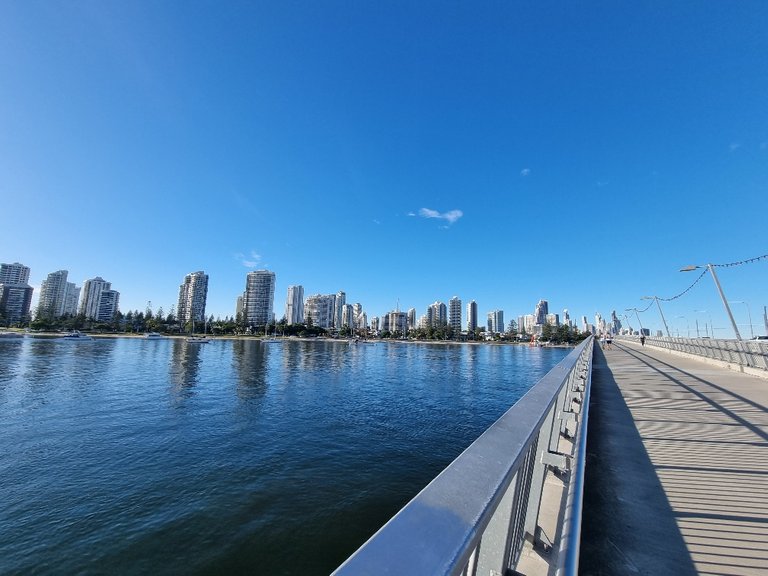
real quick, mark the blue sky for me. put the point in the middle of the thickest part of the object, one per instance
(400, 151)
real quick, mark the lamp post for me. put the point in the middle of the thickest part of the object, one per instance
(687, 325)
(706, 330)
(720, 291)
(635, 310)
(664, 320)
(749, 315)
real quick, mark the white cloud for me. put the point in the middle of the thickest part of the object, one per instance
(250, 261)
(411, 213)
(734, 146)
(525, 172)
(451, 216)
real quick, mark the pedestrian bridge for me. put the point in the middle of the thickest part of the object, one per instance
(628, 460)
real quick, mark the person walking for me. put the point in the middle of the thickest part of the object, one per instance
(642, 340)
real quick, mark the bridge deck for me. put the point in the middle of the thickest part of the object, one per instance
(677, 467)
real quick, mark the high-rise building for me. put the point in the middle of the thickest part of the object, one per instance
(15, 300)
(109, 302)
(193, 295)
(294, 305)
(496, 321)
(15, 293)
(437, 315)
(348, 317)
(258, 298)
(52, 295)
(361, 320)
(553, 320)
(396, 321)
(71, 297)
(320, 308)
(15, 273)
(91, 294)
(339, 302)
(411, 318)
(616, 323)
(471, 316)
(540, 314)
(454, 313)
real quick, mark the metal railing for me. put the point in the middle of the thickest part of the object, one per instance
(476, 516)
(746, 353)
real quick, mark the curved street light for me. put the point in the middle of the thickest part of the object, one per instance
(656, 298)
(711, 269)
(637, 313)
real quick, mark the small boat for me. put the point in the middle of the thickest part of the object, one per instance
(153, 335)
(76, 336)
(198, 339)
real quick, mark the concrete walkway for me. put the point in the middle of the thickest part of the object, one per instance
(677, 467)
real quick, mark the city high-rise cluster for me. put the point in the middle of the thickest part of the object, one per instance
(58, 297)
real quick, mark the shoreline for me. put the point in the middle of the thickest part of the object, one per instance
(53, 335)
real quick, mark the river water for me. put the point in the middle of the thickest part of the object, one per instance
(134, 456)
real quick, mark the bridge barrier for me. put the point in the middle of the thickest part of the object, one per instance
(749, 356)
(483, 514)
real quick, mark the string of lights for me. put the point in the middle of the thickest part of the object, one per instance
(687, 289)
(748, 261)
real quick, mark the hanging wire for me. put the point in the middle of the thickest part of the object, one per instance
(643, 310)
(749, 261)
(687, 289)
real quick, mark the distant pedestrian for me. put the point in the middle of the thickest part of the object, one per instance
(608, 341)
(642, 340)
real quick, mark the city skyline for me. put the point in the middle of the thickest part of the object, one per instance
(498, 153)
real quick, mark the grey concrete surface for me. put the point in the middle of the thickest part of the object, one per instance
(677, 467)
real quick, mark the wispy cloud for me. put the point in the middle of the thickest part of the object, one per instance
(376, 221)
(525, 172)
(602, 183)
(734, 146)
(250, 261)
(411, 213)
(451, 216)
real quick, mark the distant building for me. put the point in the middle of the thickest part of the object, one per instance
(454, 313)
(53, 295)
(259, 296)
(495, 323)
(348, 317)
(340, 301)
(411, 318)
(471, 316)
(16, 274)
(321, 308)
(193, 295)
(553, 320)
(71, 297)
(616, 322)
(540, 314)
(361, 319)
(15, 300)
(91, 294)
(15, 293)
(109, 304)
(294, 305)
(396, 321)
(437, 315)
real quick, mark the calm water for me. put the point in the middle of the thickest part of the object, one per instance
(137, 456)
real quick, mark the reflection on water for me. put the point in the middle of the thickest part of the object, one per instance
(184, 365)
(249, 358)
